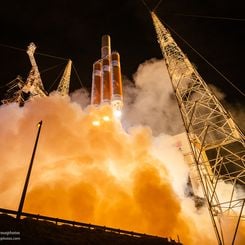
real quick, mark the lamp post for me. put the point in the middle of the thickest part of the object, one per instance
(22, 200)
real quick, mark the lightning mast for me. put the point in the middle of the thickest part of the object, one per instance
(64, 84)
(34, 83)
(216, 142)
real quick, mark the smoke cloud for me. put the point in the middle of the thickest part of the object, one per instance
(130, 175)
(150, 100)
(236, 110)
(81, 97)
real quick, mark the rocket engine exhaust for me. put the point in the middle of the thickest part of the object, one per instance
(106, 79)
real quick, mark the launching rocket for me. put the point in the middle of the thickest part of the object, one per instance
(106, 79)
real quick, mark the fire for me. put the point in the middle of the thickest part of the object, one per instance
(117, 113)
(106, 118)
(101, 175)
(96, 123)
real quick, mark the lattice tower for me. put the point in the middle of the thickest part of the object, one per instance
(14, 93)
(34, 83)
(216, 141)
(64, 84)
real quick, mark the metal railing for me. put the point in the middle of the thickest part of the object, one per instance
(87, 226)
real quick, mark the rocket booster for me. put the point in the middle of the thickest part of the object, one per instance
(96, 83)
(105, 46)
(117, 98)
(107, 81)
(106, 78)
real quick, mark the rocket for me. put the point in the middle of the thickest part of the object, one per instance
(107, 79)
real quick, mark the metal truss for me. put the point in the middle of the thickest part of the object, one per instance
(14, 93)
(34, 83)
(216, 141)
(64, 84)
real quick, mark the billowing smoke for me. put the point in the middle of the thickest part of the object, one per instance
(238, 113)
(81, 97)
(103, 174)
(151, 100)
(236, 110)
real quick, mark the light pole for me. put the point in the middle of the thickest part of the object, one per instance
(22, 200)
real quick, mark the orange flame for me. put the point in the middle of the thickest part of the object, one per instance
(100, 175)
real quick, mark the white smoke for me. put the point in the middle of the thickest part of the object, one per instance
(81, 97)
(103, 175)
(218, 93)
(151, 100)
(236, 110)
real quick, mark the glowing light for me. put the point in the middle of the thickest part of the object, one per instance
(117, 113)
(96, 123)
(106, 118)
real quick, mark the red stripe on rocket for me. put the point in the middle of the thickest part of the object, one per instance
(117, 94)
(96, 83)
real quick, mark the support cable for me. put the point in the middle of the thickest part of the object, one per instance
(144, 3)
(52, 56)
(77, 75)
(24, 50)
(210, 17)
(51, 68)
(54, 81)
(159, 2)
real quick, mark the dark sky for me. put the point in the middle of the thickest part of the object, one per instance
(73, 29)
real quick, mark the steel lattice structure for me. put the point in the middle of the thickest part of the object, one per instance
(216, 141)
(15, 92)
(34, 83)
(64, 84)
(32, 86)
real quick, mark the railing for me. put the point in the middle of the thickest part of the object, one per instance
(59, 221)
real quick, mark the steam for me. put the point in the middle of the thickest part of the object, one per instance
(151, 101)
(236, 110)
(132, 179)
(81, 97)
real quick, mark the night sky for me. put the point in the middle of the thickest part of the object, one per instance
(73, 29)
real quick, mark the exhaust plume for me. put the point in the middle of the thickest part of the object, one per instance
(100, 173)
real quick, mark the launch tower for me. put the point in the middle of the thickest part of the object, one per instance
(34, 83)
(217, 143)
(33, 86)
(64, 84)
